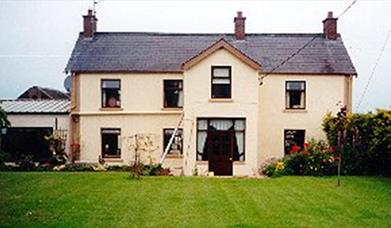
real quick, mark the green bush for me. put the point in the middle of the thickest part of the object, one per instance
(367, 150)
(274, 168)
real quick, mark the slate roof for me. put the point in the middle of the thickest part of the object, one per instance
(30, 106)
(166, 52)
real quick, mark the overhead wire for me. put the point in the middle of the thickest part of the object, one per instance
(374, 69)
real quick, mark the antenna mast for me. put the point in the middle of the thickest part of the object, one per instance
(94, 3)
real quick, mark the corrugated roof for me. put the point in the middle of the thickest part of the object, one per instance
(166, 52)
(35, 106)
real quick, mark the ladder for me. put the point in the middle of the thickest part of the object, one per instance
(164, 155)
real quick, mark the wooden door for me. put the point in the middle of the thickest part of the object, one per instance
(220, 145)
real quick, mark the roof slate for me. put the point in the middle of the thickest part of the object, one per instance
(35, 106)
(166, 52)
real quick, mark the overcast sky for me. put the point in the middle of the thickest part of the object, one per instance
(37, 36)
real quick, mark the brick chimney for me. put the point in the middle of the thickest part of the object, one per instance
(89, 22)
(239, 26)
(330, 27)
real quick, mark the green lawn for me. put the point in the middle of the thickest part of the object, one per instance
(113, 200)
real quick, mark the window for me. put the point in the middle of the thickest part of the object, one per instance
(221, 82)
(295, 95)
(173, 93)
(176, 146)
(111, 93)
(111, 143)
(229, 131)
(293, 138)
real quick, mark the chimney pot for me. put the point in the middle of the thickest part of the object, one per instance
(330, 27)
(89, 24)
(239, 21)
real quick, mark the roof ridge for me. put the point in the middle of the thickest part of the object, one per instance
(199, 34)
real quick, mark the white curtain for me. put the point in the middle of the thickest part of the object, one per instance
(221, 125)
(201, 140)
(239, 124)
(240, 143)
(202, 125)
(180, 98)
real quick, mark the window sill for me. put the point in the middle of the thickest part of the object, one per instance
(239, 162)
(223, 100)
(113, 159)
(172, 109)
(202, 162)
(174, 156)
(111, 109)
(295, 110)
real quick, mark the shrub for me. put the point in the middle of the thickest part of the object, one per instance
(367, 150)
(316, 158)
(274, 168)
(26, 163)
(77, 167)
(156, 170)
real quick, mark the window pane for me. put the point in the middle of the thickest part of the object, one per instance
(176, 145)
(221, 91)
(201, 146)
(111, 131)
(239, 124)
(295, 86)
(111, 98)
(202, 125)
(293, 138)
(221, 72)
(111, 84)
(221, 125)
(173, 93)
(221, 81)
(239, 147)
(111, 145)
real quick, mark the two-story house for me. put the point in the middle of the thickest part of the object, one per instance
(239, 98)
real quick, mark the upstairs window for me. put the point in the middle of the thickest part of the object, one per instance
(176, 146)
(295, 95)
(111, 146)
(221, 82)
(173, 93)
(293, 140)
(111, 90)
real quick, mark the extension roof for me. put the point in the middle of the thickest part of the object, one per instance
(167, 52)
(30, 106)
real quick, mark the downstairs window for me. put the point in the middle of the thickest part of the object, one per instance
(111, 142)
(176, 146)
(293, 140)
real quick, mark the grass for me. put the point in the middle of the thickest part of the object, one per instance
(114, 200)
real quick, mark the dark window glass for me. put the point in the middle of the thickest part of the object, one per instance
(221, 82)
(173, 93)
(111, 90)
(176, 146)
(295, 95)
(111, 146)
(293, 138)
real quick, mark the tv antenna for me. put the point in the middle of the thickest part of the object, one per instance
(94, 3)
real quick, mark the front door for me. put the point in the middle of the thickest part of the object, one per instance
(219, 149)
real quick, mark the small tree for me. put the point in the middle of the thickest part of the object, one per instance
(142, 147)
